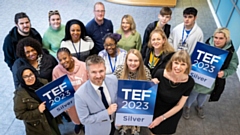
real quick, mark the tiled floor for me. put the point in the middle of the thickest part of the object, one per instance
(222, 118)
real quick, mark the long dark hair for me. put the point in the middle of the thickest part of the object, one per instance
(67, 29)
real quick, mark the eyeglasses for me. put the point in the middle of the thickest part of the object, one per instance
(28, 76)
(99, 11)
(110, 45)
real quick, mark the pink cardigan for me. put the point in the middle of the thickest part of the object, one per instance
(77, 78)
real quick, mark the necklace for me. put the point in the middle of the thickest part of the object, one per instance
(173, 85)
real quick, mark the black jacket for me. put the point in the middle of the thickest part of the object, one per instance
(48, 62)
(220, 82)
(164, 58)
(10, 44)
(147, 33)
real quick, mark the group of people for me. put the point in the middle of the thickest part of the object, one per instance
(94, 58)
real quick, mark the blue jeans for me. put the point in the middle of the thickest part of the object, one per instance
(201, 98)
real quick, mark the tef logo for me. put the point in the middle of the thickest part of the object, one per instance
(136, 94)
(55, 91)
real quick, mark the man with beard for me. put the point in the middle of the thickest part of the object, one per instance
(95, 100)
(21, 30)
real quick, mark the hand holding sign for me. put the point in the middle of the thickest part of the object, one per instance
(42, 107)
(112, 108)
(220, 74)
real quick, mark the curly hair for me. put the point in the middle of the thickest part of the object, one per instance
(28, 41)
(67, 29)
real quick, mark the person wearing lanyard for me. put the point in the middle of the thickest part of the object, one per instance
(133, 69)
(187, 34)
(76, 40)
(112, 54)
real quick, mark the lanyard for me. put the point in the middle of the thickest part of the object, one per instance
(112, 68)
(78, 53)
(152, 65)
(184, 41)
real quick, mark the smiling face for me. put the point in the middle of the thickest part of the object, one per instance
(28, 77)
(110, 46)
(133, 62)
(179, 67)
(75, 32)
(65, 59)
(30, 53)
(99, 12)
(96, 73)
(157, 41)
(219, 40)
(55, 22)
(126, 26)
(23, 26)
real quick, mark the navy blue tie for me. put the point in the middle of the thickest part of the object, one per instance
(104, 100)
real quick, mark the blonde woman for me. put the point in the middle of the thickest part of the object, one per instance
(159, 51)
(131, 39)
(133, 69)
(221, 39)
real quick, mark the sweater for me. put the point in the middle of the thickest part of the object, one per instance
(83, 47)
(131, 42)
(52, 39)
(178, 35)
(77, 78)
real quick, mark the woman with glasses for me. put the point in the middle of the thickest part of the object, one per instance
(76, 40)
(55, 33)
(28, 106)
(131, 39)
(112, 54)
(221, 39)
(30, 52)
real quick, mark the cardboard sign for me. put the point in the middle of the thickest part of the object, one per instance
(136, 102)
(58, 94)
(206, 63)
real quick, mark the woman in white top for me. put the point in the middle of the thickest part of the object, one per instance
(76, 40)
(112, 54)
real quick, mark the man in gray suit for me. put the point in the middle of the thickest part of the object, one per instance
(95, 100)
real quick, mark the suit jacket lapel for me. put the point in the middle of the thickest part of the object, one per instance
(93, 94)
(110, 87)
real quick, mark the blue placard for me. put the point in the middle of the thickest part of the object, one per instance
(136, 102)
(206, 63)
(58, 94)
